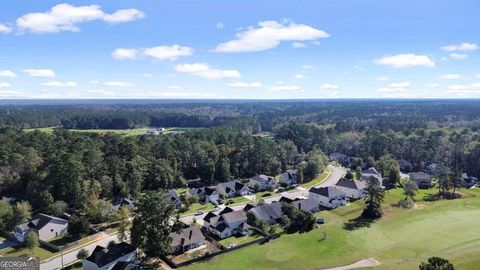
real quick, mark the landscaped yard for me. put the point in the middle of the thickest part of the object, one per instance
(199, 207)
(322, 177)
(237, 240)
(237, 200)
(23, 251)
(400, 240)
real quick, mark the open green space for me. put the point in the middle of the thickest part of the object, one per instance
(23, 251)
(319, 179)
(400, 240)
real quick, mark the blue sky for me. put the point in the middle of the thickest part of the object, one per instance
(240, 49)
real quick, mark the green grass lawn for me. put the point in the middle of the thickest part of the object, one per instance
(400, 240)
(237, 240)
(198, 207)
(317, 181)
(265, 194)
(23, 251)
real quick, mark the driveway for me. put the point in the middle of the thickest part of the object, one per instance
(8, 243)
(332, 179)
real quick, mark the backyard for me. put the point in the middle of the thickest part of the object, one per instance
(400, 240)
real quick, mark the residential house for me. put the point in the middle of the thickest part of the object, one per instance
(47, 227)
(123, 202)
(423, 180)
(341, 158)
(261, 182)
(354, 189)
(269, 213)
(308, 205)
(404, 165)
(469, 181)
(107, 258)
(432, 169)
(232, 189)
(174, 199)
(226, 223)
(205, 194)
(186, 239)
(371, 172)
(330, 197)
(289, 177)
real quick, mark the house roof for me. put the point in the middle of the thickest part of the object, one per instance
(227, 187)
(102, 256)
(42, 220)
(248, 206)
(187, 236)
(371, 171)
(121, 202)
(209, 216)
(306, 204)
(226, 210)
(420, 176)
(261, 178)
(351, 184)
(267, 211)
(125, 266)
(209, 190)
(235, 216)
(329, 192)
(173, 196)
(337, 156)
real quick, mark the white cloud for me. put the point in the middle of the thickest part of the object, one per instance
(395, 88)
(4, 85)
(307, 66)
(432, 85)
(7, 73)
(406, 60)
(300, 77)
(174, 87)
(288, 88)
(123, 15)
(65, 17)
(462, 89)
(42, 73)
(298, 45)
(478, 75)
(5, 29)
(463, 47)
(458, 56)
(59, 84)
(159, 52)
(451, 77)
(220, 25)
(118, 84)
(329, 86)
(147, 75)
(382, 78)
(168, 52)
(245, 85)
(268, 35)
(126, 54)
(205, 71)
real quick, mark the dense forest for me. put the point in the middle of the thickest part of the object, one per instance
(71, 166)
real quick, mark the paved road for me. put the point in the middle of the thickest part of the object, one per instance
(71, 256)
(336, 174)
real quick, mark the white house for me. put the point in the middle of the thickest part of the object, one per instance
(353, 188)
(261, 182)
(47, 227)
(106, 258)
(330, 197)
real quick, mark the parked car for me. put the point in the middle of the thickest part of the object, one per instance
(220, 201)
(320, 220)
(198, 213)
(280, 190)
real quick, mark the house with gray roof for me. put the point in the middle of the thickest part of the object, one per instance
(423, 180)
(227, 223)
(371, 172)
(47, 227)
(123, 202)
(354, 189)
(232, 189)
(205, 194)
(107, 258)
(308, 205)
(269, 213)
(330, 197)
(261, 182)
(186, 239)
(289, 177)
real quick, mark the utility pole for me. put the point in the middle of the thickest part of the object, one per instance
(61, 255)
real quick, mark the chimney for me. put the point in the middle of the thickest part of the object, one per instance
(190, 236)
(299, 206)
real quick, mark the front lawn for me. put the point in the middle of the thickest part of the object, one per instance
(236, 200)
(23, 251)
(239, 239)
(198, 207)
(400, 240)
(318, 180)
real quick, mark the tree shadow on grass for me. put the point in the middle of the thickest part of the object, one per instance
(357, 223)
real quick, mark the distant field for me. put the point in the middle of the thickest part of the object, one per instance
(126, 132)
(400, 240)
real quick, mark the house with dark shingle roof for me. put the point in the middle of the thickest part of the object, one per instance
(354, 189)
(330, 197)
(123, 202)
(371, 172)
(107, 258)
(232, 189)
(174, 199)
(269, 213)
(186, 239)
(289, 177)
(205, 194)
(227, 223)
(47, 227)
